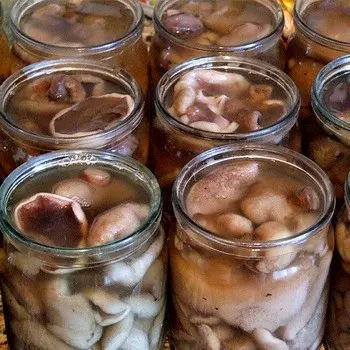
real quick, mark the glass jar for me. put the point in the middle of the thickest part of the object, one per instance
(22, 140)
(244, 286)
(175, 142)
(129, 52)
(5, 65)
(60, 297)
(338, 322)
(308, 51)
(168, 49)
(329, 144)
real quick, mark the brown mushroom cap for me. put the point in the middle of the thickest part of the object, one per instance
(91, 116)
(51, 219)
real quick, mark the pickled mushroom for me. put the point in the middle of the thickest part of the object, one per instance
(51, 219)
(183, 24)
(93, 115)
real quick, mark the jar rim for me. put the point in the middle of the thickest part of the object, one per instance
(44, 68)
(79, 157)
(233, 63)
(274, 6)
(311, 33)
(252, 152)
(334, 69)
(20, 7)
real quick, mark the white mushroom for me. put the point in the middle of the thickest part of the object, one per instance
(51, 219)
(35, 335)
(266, 341)
(144, 305)
(29, 266)
(154, 281)
(157, 329)
(136, 340)
(112, 309)
(115, 335)
(128, 274)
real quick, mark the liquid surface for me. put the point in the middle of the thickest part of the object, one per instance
(77, 23)
(253, 201)
(224, 102)
(219, 23)
(79, 206)
(330, 18)
(68, 105)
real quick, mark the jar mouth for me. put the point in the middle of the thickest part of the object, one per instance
(242, 65)
(44, 68)
(274, 7)
(80, 157)
(251, 152)
(20, 8)
(327, 74)
(299, 7)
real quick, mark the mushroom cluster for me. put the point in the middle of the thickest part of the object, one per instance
(275, 300)
(119, 305)
(77, 23)
(331, 149)
(223, 102)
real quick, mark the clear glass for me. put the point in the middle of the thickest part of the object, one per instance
(220, 294)
(80, 298)
(175, 143)
(329, 143)
(338, 321)
(129, 52)
(308, 51)
(129, 137)
(5, 65)
(168, 50)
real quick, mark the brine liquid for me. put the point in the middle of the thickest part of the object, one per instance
(77, 23)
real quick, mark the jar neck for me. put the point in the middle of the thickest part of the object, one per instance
(139, 240)
(267, 41)
(47, 143)
(41, 51)
(249, 152)
(271, 134)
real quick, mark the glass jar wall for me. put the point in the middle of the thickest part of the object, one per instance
(81, 29)
(69, 104)
(251, 252)
(212, 101)
(71, 278)
(188, 29)
(5, 65)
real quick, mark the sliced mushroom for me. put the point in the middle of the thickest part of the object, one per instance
(183, 24)
(129, 274)
(117, 223)
(217, 190)
(51, 219)
(91, 116)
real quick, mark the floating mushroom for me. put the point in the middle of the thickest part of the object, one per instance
(217, 190)
(117, 223)
(51, 219)
(91, 116)
(97, 176)
(183, 24)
